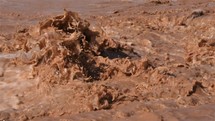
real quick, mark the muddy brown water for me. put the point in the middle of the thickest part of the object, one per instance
(81, 6)
(171, 79)
(15, 12)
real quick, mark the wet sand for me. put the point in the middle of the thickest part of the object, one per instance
(115, 61)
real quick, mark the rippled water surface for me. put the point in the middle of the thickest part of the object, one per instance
(49, 6)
